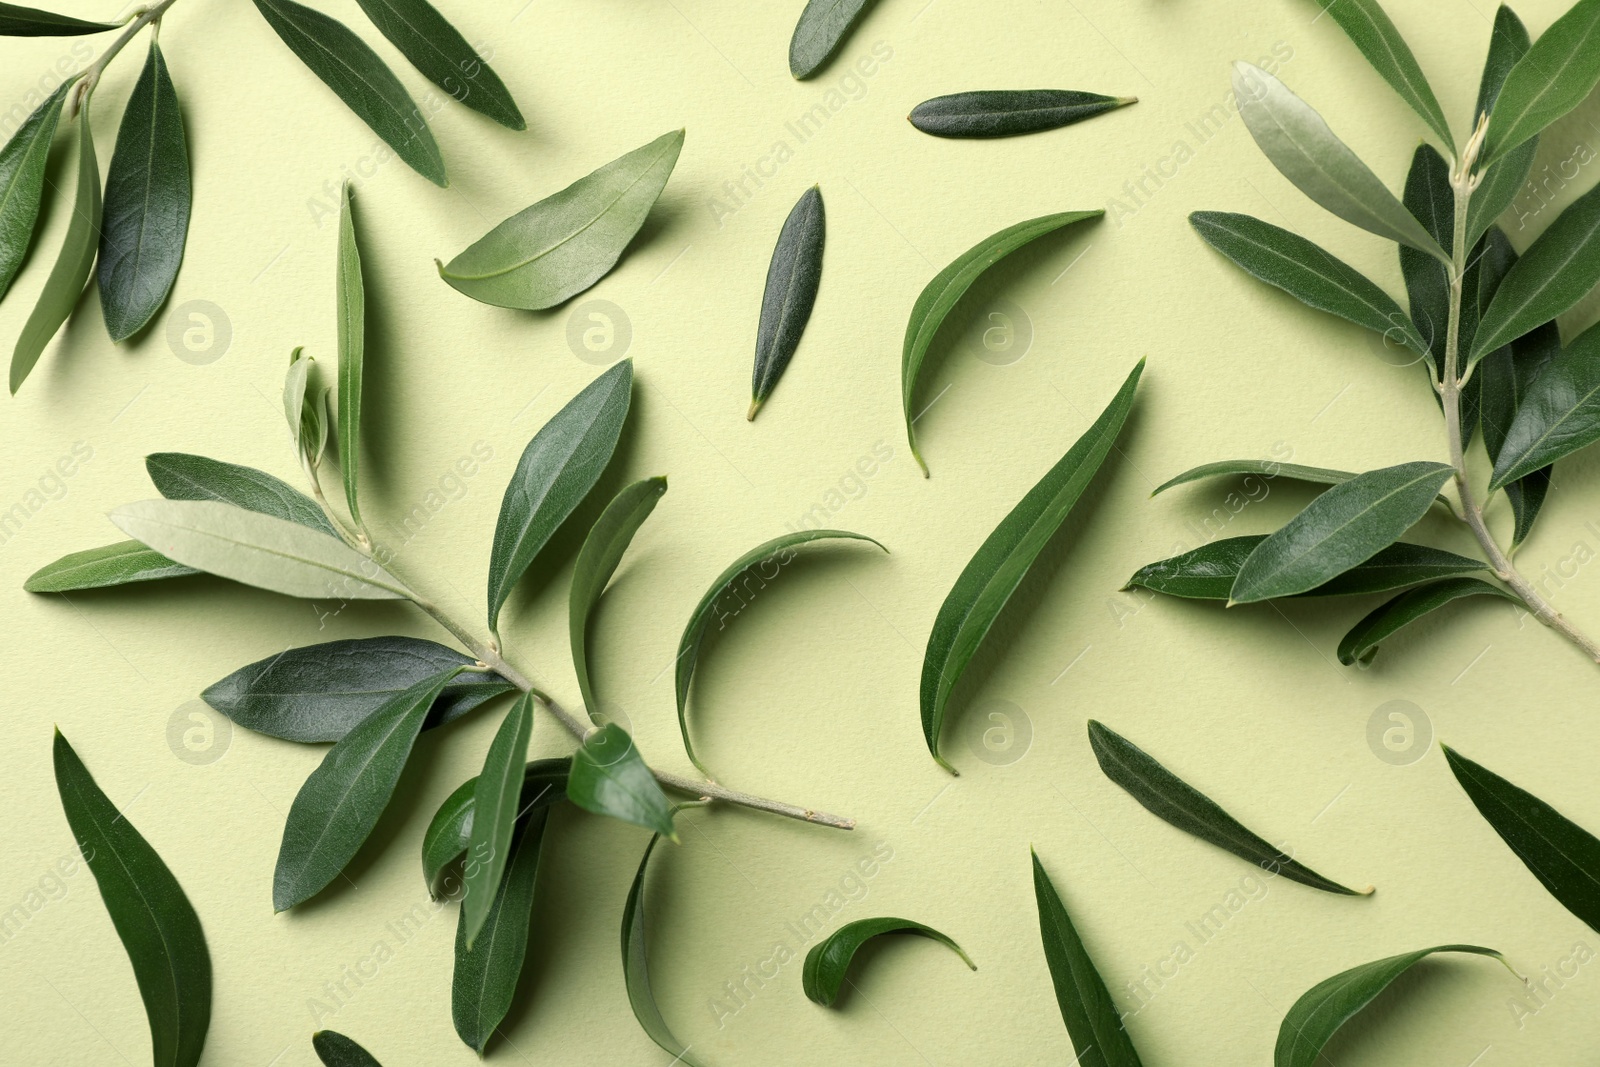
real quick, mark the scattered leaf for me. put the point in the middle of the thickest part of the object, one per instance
(1361, 643)
(486, 975)
(437, 49)
(1208, 572)
(97, 568)
(792, 281)
(496, 803)
(609, 777)
(22, 165)
(636, 970)
(336, 1050)
(829, 959)
(1010, 112)
(1556, 75)
(822, 28)
(182, 476)
(1559, 414)
(1370, 27)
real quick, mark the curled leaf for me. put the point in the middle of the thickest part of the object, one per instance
(1361, 643)
(828, 962)
(609, 777)
(636, 969)
(449, 834)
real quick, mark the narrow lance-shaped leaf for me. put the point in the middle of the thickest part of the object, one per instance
(22, 165)
(350, 300)
(609, 777)
(557, 470)
(496, 803)
(1561, 854)
(791, 293)
(486, 975)
(256, 549)
(1345, 526)
(1170, 798)
(752, 566)
(1556, 75)
(1361, 643)
(1208, 572)
(941, 295)
(555, 249)
(157, 924)
(1010, 112)
(1328, 1005)
(123, 563)
(19, 21)
(350, 67)
(1300, 144)
(597, 561)
(437, 49)
(336, 1050)
(828, 962)
(147, 203)
(1093, 1021)
(1370, 27)
(1267, 468)
(73, 265)
(1004, 559)
(1559, 415)
(544, 782)
(822, 28)
(1429, 196)
(1503, 178)
(341, 801)
(1307, 273)
(636, 967)
(182, 476)
(1508, 376)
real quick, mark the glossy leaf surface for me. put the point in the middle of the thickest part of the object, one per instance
(1267, 468)
(19, 21)
(636, 969)
(1559, 414)
(791, 293)
(1560, 69)
(1361, 643)
(1374, 33)
(1010, 112)
(1208, 572)
(609, 777)
(544, 782)
(485, 978)
(1502, 179)
(828, 962)
(496, 803)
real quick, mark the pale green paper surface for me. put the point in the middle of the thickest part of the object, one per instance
(811, 695)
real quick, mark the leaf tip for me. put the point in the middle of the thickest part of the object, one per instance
(755, 406)
(941, 761)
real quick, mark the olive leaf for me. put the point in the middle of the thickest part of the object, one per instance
(1010, 112)
(1266, 467)
(1429, 196)
(350, 67)
(97, 568)
(336, 1050)
(1503, 178)
(339, 804)
(259, 550)
(1344, 526)
(1093, 1021)
(148, 196)
(998, 567)
(350, 300)
(1307, 273)
(557, 470)
(549, 252)
(322, 692)
(1329, 1004)
(496, 803)
(609, 777)
(183, 476)
(1559, 414)
(437, 49)
(544, 782)
(1556, 75)
(776, 553)
(1370, 28)
(602, 550)
(828, 962)
(73, 265)
(1300, 144)
(19, 21)
(791, 293)
(1361, 643)
(153, 917)
(941, 295)
(22, 165)
(1175, 801)
(636, 967)
(1208, 572)
(1507, 377)
(822, 28)
(1561, 854)
(305, 408)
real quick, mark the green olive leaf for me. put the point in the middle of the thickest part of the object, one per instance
(1267, 468)
(1503, 179)
(822, 28)
(549, 252)
(1559, 414)
(350, 67)
(153, 917)
(22, 165)
(941, 295)
(1372, 31)
(597, 561)
(305, 406)
(336, 1050)
(1208, 572)
(496, 803)
(1429, 197)
(792, 281)
(98, 568)
(183, 476)
(1507, 376)
(636, 969)
(609, 777)
(437, 49)
(350, 300)
(1010, 112)
(998, 567)
(1556, 75)
(449, 834)
(1361, 643)
(19, 21)
(828, 962)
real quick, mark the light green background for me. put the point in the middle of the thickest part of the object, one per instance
(811, 694)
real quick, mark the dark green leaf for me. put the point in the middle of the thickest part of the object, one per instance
(829, 959)
(1173, 800)
(350, 67)
(1554, 77)
(1429, 197)
(97, 568)
(444, 57)
(496, 803)
(19, 21)
(822, 28)
(1329, 1004)
(1347, 525)
(636, 970)
(1208, 572)
(754, 564)
(157, 924)
(942, 294)
(336, 1050)
(350, 300)
(73, 265)
(22, 164)
(557, 470)
(1502, 179)
(1378, 39)
(1004, 559)
(1559, 414)
(792, 281)
(147, 203)
(1009, 112)
(1561, 854)
(1093, 1021)
(544, 782)
(549, 252)
(486, 975)
(1361, 643)
(597, 561)
(1307, 273)
(609, 777)
(342, 799)
(1507, 376)
(1265, 467)
(181, 476)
